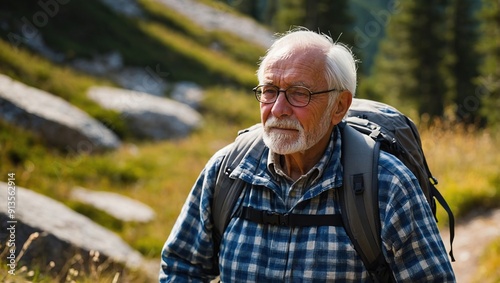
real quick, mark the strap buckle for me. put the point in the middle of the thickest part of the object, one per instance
(275, 218)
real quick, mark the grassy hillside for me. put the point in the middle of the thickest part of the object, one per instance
(161, 174)
(145, 171)
(84, 29)
(466, 162)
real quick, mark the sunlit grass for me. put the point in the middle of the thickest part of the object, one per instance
(33, 70)
(233, 46)
(488, 271)
(466, 162)
(161, 174)
(215, 64)
(81, 267)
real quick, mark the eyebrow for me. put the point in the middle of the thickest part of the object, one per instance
(299, 83)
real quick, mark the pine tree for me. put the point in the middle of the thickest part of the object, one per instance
(488, 83)
(290, 13)
(261, 10)
(332, 18)
(408, 69)
(464, 68)
(324, 16)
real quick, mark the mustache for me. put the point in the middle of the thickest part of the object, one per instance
(274, 122)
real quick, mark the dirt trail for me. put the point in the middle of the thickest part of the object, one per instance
(472, 235)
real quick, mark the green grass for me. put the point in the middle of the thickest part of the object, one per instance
(227, 43)
(72, 271)
(142, 171)
(213, 64)
(490, 261)
(33, 70)
(145, 170)
(161, 174)
(164, 38)
(466, 162)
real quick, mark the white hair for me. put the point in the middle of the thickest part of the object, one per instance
(340, 63)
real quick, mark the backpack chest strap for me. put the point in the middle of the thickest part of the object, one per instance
(267, 217)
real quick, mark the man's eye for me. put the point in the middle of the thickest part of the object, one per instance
(298, 93)
(269, 91)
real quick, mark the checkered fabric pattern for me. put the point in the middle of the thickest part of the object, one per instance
(252, 252)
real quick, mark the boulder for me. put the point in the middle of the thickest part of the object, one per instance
(188, 93)
(211, 18)
(126, 7)
(100, 64)
(53, 232)
(54, 119)
(149, 79)
(116, 205)
(148, 116)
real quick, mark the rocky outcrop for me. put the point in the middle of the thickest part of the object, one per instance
(189, 93)
(53, 232)
(54, 119)
(205, 16)
(125, 7)
(214, 19)
(148, 116)
(149, 79)
(116, 205)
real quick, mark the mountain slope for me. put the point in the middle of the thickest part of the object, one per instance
(161, 37)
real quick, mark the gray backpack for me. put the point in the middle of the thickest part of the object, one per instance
(370, 126)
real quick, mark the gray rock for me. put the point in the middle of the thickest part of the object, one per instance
(100, 64)
(126, 7)
(54, 119)
(189, 93)
(213, 19)
(148, 116)
(36, 42)
(116, 205)
(63, 234)
(148, 79)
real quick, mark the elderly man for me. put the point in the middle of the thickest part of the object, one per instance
(306, 85)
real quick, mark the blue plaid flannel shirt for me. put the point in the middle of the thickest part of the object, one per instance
(252, 252)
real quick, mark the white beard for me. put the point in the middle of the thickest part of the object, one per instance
(287, 143)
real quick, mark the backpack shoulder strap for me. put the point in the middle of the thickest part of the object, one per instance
(359, 200)
(228, 190)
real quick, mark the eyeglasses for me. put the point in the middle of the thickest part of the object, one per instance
(298, 96)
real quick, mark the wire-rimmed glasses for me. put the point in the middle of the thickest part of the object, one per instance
(298, 96)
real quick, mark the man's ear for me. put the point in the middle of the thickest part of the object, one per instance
(343, 102)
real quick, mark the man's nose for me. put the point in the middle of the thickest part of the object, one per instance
(281, 106)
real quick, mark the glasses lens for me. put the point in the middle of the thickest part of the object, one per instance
(266, 94)
(298, 96)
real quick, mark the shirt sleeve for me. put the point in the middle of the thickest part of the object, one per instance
(412, 244)
(188, 253)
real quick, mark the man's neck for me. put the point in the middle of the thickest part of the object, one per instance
(298, 164)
